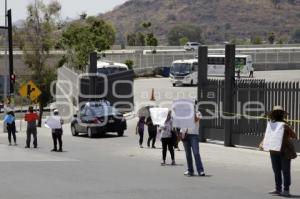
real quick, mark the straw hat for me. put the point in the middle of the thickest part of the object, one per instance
(278, 108)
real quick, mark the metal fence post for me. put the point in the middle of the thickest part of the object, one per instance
(229, 92)
(92, 71)
(202, 84)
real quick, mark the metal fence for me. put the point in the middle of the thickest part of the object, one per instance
(146, 59)
(252, 99)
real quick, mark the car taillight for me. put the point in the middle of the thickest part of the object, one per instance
(96, 121)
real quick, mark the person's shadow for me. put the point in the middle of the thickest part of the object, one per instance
(291, 196)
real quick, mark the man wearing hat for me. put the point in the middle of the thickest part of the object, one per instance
(57, 132)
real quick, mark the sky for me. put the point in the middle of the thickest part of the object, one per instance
(70, 8)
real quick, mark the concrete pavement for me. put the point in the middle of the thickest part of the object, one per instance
(113, 167)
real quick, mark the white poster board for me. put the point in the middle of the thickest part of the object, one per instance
(183, 113)
(53, 122)
(159, 115)
(273, 136)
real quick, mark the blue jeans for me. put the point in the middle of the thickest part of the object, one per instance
(191, 142)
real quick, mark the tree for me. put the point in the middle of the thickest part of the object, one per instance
(183, 40)
(39, 38)
(257, 40)
(83, 37)
(83, 16)
(271, 37)
(140, 39)
(129, 63)
(150, 38)
(296, 36)
(147, 25)
(131, 39)
(191, 32)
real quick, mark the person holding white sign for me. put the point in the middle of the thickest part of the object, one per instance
(277, 140)
(55, 124)
(166, 139)
(190, 139)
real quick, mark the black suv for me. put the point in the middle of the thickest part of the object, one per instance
(96, 118)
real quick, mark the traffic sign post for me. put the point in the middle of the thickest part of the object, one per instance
(30, 90)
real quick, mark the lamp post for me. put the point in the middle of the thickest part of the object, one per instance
(5, 52)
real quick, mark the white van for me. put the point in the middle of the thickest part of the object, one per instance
(186, 71)
(109, 67)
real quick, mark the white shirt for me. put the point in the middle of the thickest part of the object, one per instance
(195, 130)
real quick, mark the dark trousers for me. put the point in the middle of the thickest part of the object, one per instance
(141, 133)
(152, 136)
(167, 144)
(281, 167)
(33, 132)
(11, 131)
(57, 136)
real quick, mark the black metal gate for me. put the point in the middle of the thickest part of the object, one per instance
(252, 99)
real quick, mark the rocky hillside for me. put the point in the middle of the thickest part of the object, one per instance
(219, 20)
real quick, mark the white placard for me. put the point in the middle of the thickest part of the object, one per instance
(273, 136)
(53, 122)
(159, 115)
(183, 113)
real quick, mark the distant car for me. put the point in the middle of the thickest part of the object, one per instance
(191, 46)
(97, 119)
(108, 67)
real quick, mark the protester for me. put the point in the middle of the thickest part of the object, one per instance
(104, 102)
(152, 131)
(9, 120)
(31, 117)
(176, 138)
(190, 138)
(251, 72)
(281, 159)
(166, 139)
(140, 130)
(57, 131)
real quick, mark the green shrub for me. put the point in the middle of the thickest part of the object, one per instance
(129, 64)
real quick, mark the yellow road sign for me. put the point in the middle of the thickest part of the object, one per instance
(30, 90)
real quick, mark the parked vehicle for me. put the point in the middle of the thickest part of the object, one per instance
(186, 71)
(191, 46)
(95, 118)
(108, 67)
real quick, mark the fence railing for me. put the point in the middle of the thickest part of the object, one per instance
(252, 100)
(162, 59)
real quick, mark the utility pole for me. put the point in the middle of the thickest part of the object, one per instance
(5, 54)
(8, 35)
(11, 57)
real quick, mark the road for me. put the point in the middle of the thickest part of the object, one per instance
(114, 167)
(164, 92)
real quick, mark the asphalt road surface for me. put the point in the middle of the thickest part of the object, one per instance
(115, 167)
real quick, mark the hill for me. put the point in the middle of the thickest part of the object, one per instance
(219, 20)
